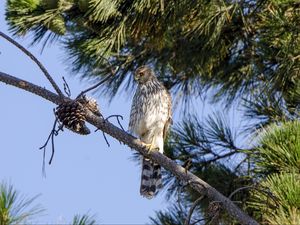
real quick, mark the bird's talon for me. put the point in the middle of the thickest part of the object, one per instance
(150, 148)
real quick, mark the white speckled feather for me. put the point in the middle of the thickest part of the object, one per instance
(150, 118)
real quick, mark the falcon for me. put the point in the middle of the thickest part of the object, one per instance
(150, 118)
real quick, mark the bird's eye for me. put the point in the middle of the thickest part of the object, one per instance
(141, 74)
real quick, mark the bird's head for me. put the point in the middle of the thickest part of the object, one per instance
(143, 74)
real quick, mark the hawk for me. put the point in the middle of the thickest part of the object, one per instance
(150, 118)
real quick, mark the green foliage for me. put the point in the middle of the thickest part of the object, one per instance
(23, 6)
(277, 201)
(280, 148)
(49, 4)
(173, 216)
(281, 205)
(15, 209)
(83, 220)
(207, 139)
(281, 22)
(206, 148)
(57, 25)
(101, 11)
(232, 47)
(266, 109)
(36, 17)
(83, 5)
(285, 187)
(288, 216)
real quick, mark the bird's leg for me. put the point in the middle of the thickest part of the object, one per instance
(151, 146)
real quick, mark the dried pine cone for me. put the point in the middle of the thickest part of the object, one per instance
(71, 114)
(214, 209)
(91, 104)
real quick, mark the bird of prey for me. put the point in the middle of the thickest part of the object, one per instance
(150, 118)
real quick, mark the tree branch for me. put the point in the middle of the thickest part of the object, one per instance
(34, 59)
(25, 85)
(195, 182)
(193, 207)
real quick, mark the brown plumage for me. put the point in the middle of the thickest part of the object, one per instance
(150, 118)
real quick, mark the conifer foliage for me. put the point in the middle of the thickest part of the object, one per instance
(234, 46)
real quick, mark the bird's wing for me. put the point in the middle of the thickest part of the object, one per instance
(169, 120)
(133, 114)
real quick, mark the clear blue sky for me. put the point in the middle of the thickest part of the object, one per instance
(86, 175)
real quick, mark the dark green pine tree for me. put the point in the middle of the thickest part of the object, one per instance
(244, 53)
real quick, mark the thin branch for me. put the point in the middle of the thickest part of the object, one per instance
(94, 86)
(112, 73)
(66, 88)
(214, 208)
(195, 182)
(179, 200)
(53, 133)
(193, 207)
(117, 116)
(199, 220)
(48, 139)
(105, 138)
(219, 157)
(33, 58)
(30, 87)
(241, 189)
(265, 192)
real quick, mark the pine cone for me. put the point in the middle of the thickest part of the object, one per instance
(214, 209)
(91, 104)
(71, 115)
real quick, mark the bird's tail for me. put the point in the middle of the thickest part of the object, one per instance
(151, 179)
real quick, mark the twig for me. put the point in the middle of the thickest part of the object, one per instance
(179, 199)
(199, 220)
(105, 138)
(193, 207)
(266, 193)
(240, 189)
(228, 154)
(33, 58)
(53, 133)
(214, 209)
(66, 88)
(187, 164)
(112, 73)
(195, 182)
(117, 116)
(93, 87)
(46, 143)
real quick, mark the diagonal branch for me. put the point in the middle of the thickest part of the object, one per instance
(195, 182)
(25, 85)
(34, 59)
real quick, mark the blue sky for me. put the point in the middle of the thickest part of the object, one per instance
(86, 175)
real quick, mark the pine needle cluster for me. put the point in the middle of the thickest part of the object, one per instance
(235, 47)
